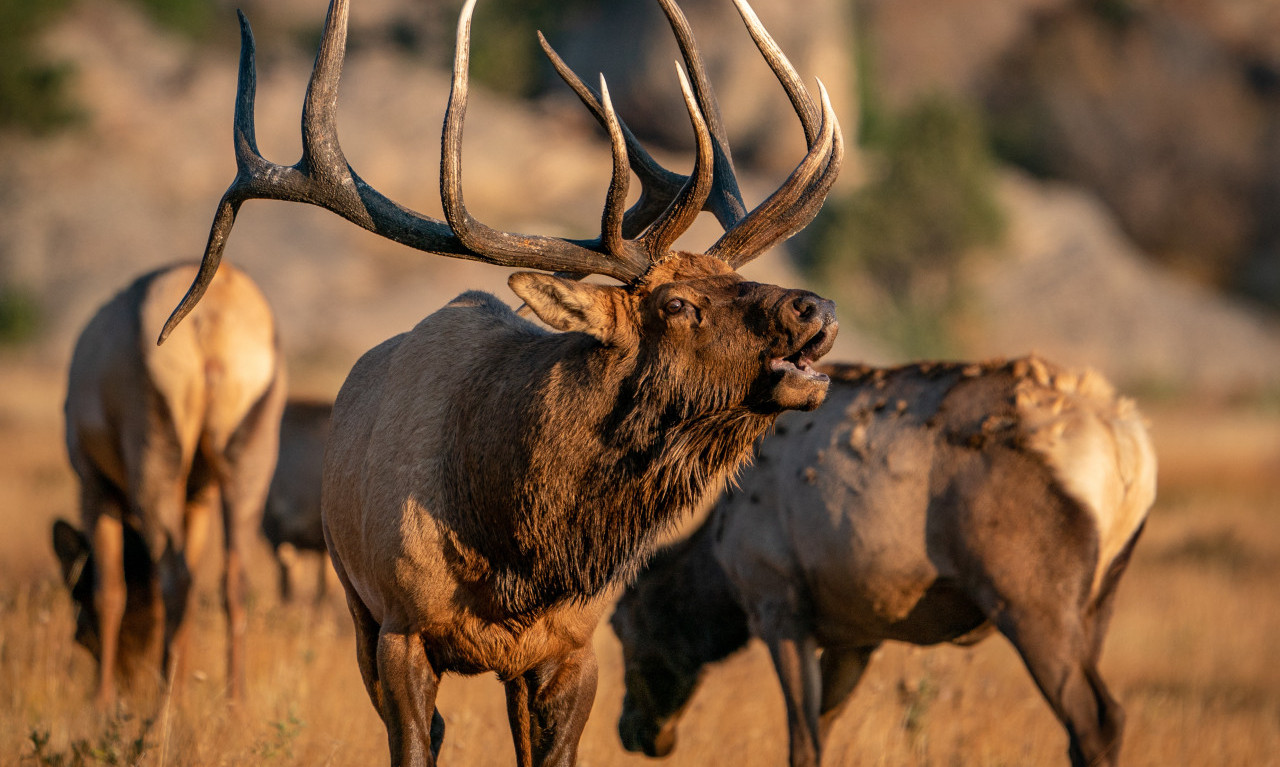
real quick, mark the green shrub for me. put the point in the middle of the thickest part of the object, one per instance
(114, 746)
(191, 18)
(32, 90)
(505, 54)
(894, 249)
(19, 316)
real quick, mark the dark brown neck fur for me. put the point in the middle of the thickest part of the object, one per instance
(609, 455)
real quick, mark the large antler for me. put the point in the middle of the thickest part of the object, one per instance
(821, 165)
(669, 202)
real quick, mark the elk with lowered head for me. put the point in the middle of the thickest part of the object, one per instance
(486, 480)
(291, 518)
(162, 440)
(920, 504)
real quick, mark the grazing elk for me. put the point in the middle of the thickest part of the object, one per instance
(159, 437)
(919, 504)
(291, 519)
(486, 480)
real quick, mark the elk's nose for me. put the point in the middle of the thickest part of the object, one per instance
(807, 307)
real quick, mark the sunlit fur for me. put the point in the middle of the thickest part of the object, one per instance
(924, 504)
(167, 441)
(487, 481)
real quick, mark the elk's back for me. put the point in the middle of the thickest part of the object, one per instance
(877, 496)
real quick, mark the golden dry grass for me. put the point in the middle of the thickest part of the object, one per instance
(1192, 652)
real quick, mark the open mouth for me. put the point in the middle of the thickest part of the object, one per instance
(801, 362)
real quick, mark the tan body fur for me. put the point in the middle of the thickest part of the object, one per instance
(162, 440)
(918, 504)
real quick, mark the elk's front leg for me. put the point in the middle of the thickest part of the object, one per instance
(408, 686)
(548, 709)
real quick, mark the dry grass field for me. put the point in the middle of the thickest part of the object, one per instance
(1192, 654)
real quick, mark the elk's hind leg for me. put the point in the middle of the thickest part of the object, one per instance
(1033, 580)
(841, 668)
(244, 468)
(105, 531)
(1057, 652)
(202, 502)
(367, 630)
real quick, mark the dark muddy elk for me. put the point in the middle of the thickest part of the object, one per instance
(291, 518)
(486, 480)
(919, 504)
(166, 441)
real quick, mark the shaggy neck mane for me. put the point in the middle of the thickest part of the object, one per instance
(613, 453)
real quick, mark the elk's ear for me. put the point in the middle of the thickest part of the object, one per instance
(568, 305)
(72, 548)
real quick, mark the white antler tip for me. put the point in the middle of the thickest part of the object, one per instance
(464, 18)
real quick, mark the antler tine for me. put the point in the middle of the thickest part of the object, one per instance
(247, 158)
(795, 203)
(612, 223)
(725, 199)
(552, 254)
(658, 186)
(682, 211)
(806, 110)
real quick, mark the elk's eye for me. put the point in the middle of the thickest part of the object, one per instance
(674, 306)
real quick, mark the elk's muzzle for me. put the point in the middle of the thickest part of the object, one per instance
(807, 328)
(639, 734)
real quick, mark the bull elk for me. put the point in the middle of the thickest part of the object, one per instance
(291, 518)
(919, 504)
(486, 480)
(159, 438)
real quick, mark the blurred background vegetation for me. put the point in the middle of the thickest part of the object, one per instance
(33, 94)
(1164, 114)
(928, 206)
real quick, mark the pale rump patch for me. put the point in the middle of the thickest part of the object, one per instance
(226, 362)
(1095, 443)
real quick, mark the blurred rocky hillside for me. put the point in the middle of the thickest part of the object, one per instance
(1074, 277)
(1167, 110)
